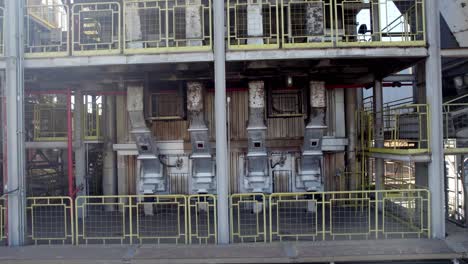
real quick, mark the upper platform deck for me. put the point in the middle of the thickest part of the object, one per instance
(170, 31)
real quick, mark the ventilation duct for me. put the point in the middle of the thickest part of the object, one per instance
(256, 177)
(203, 170)
(152, 179)
(309, 176)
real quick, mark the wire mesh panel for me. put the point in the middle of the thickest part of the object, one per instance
(96, 28)
(405, 129)
(50, 220)
(404, 214)
(152, 26)
(93, 117)
(307, 23)
(2, 31)
(50, 122)
(161, 219)
(379, 23)
(103, 219)
(248, 218)
(2, 221)
(46, 30)
(348, 215)
(202, 219)
(253, 24)
(294, 216)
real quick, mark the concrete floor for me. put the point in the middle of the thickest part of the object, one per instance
(455, 246)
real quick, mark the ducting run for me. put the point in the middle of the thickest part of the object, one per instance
(152, 179)
(203, 169)
(256, 177)
(309, 176)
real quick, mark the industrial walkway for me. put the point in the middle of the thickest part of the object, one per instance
(311, 252)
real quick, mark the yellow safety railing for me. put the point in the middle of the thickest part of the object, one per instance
(406, 130)
(129, 219)
(253, 24)
(96, 29)
(50, 220)
(50, 122)
(307, 23)
(349, 215)
(92, 120)
(3, 231)
(248, 218)
(380, 23)
(2, 31)
(154, 26)
(47, 31)
(202, 219)
(455, 117)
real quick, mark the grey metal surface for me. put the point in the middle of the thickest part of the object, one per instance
(434, 99)
(109, 177)
(203, 167)
(310, 172)
(379, 133)
(220, 118)
(14, 92)
(256, 177)
(79, 148)
(152, 179)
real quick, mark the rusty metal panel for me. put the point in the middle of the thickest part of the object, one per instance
(171, 130)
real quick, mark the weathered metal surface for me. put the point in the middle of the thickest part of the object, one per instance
(152, 179)
(203, 166)
(193, 24)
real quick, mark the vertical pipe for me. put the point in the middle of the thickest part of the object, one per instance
(220, 119)
(352, 137)
(14, 39)
(69, 145)
(80, 151)
(109, 171)
(434, 99)
(378, 133)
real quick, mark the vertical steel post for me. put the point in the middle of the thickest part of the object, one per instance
(434, 99)
(350, 97)
(379, 133)
(15, 121)
(220, 119)
(80, 151)
(71, 187)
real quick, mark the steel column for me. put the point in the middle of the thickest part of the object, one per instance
(434, 99)
(71, 185)
(350, 97)
(80, 151)
(14, 89)
(379, 133)
(220, 119)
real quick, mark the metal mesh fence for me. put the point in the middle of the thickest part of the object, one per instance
(379, 22)
(202, 219)
(248, 218)
(307, 23)
(167, 25)
(253, 24)
(50, 220)
(46, 30)
(96, 28)
(131, 219)
(349, 215)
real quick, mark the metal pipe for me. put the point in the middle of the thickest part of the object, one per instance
(220, 119)
(71, 188)
(434, 98)
(80, 151)
(378, 133)
(14, 39)
(350, 97)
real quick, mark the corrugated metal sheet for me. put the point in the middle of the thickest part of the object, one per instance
(171, 130)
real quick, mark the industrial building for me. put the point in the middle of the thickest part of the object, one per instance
(248, 124)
